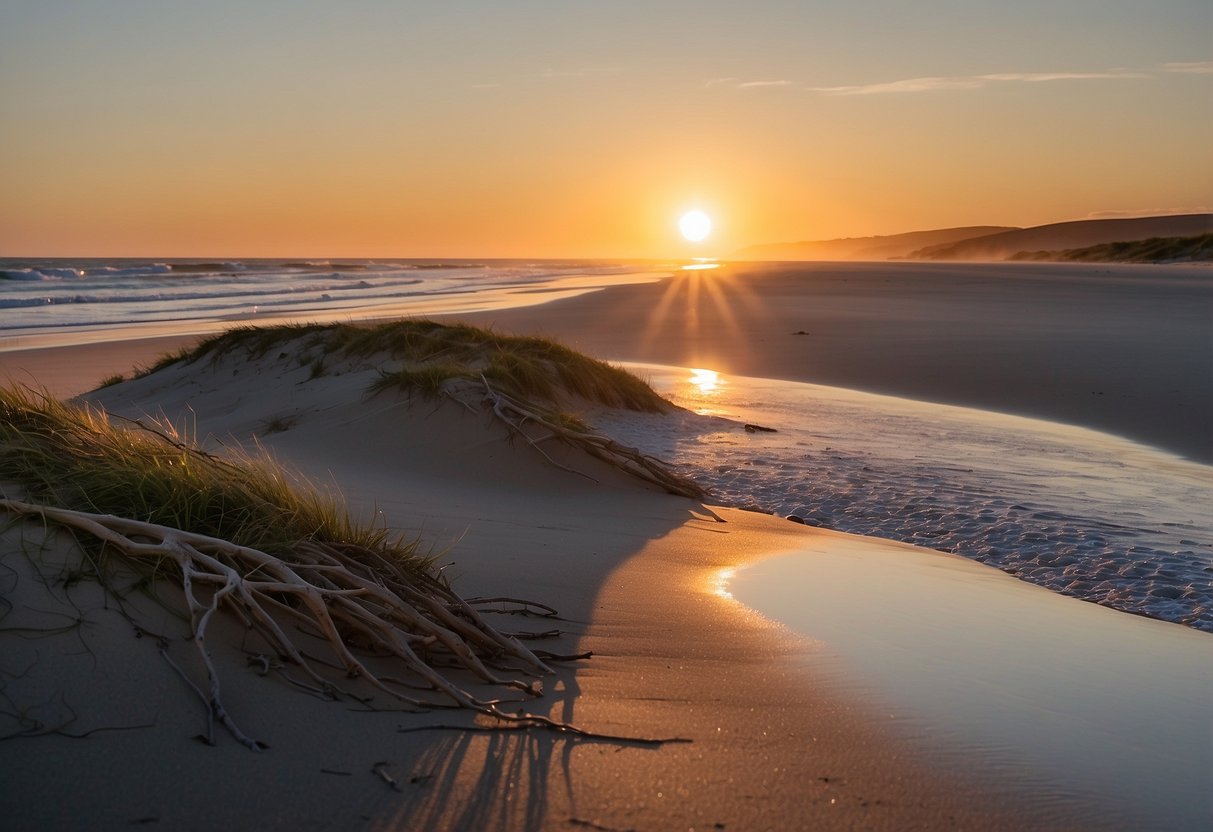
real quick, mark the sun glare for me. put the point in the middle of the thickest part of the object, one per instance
(695, 226)
(705, 381)
(720, 582)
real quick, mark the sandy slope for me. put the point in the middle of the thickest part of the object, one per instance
(632, 573)
(1121, 349)
(779, 739)
(885, 247)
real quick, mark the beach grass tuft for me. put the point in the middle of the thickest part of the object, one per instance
(431, 352)
(77, 458)
(322, 592)
(427, 379)
(533, 386)
(110, 381)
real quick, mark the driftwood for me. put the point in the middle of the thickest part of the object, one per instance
(349, 595)
(356, 600)
(516, 415)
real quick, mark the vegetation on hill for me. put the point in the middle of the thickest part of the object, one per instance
(430, 353)
(78, 458)
(530, 385)
(325, 600)
(1198, 247)
(886, 247)
(238, 534)
(1068, 235)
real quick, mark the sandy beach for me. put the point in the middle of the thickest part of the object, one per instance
(1121, 349)
(589, 417)
(781, 735)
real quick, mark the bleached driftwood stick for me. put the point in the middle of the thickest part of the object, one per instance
(353, 595)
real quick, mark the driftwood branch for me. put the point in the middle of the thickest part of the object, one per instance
(348, 595)
(516, 415)
(531, 723)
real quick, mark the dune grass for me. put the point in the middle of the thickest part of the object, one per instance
(77, 458)
(238, 533)
(242, 532)
(1154, 250)
(531, 385)
(431, 352)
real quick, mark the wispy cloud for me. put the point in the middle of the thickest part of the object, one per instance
(935, 83)
(1036, 77)
(752, 84)
(1190, 67)
(928, 84)
(738, 84)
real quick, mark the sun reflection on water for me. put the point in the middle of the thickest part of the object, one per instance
(720, 583)
(706, 382)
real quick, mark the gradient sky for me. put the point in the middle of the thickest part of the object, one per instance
(583, 129)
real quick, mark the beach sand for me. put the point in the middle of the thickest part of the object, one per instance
(1127, 350)
(779, 740)
(1124, 349)
(632, 573)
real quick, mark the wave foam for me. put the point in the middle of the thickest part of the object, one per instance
(1078, 512)
(41, 274)
(137, 271)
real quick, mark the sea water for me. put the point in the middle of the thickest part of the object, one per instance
(1076, 715)
(1081, 716)
(1076, 511)
(66, 298)
(1048, 703)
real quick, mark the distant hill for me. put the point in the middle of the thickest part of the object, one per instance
(1067, 235)
(866, 248)
(1153, 250)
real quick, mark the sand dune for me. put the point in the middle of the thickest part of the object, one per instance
(884, 247)
(1067, 235)
(982, 243)
(671, 658)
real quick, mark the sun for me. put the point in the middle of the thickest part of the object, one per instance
(695, 226)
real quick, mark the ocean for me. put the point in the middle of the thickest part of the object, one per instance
(1076, 511)
(1079, 512)
(69, 297)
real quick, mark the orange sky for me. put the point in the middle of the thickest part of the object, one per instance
(575, 129)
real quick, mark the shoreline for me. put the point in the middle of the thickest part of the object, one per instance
(670, 657)
(1028, 685)
(495, 292)
(958, 334)
(1127, 354)
(1082, 513)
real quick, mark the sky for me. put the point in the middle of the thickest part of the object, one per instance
(571, 128)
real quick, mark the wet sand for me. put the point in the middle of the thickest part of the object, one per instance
(780, 739)
(1127, 350)
(632, 572)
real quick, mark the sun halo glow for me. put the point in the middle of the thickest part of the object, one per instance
(705, 381)
(695, 226)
